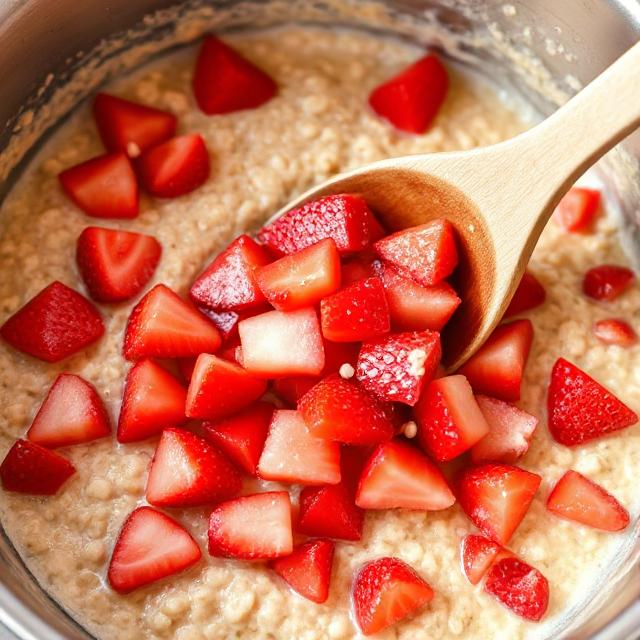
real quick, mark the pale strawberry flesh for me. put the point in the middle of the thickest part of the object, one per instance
(615, 331)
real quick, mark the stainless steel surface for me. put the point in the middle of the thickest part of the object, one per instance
(573, 39)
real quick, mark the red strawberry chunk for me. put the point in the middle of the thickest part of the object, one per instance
(30, 468)
(152, 400)
(224, 81)
(529, 295)
(607, 282)
(580, 409)
(219, 388)
(341, 410)
(116, 265)
(131, 127)
(338, 353)
(412, 99)
(357, 312)
(497, 368)
(579, 499)
(163, 325)
(395, 367)
(71, 413)
(478, 554)
(54, 324)
(290, 390)
(360, 267)
(577, 209)
(103, 187)
(188, 472)
(427, 254)
(519, 587)
(615, 331)
(510, 431)
(151, 546)
(496, 497)
(346, 218)
(308, 569)
(449, 419)
(386, 591)
(399, 476)
(252, 527)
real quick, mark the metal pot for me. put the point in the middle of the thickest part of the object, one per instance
(54, 54)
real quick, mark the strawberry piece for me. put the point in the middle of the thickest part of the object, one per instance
(399, 476)
(478, 554)
(175, 167)
(229, 282)
(510, 431)
(338, 353)
(292, 454)
(529, 295)
(116, 265)
(449, 419)
(224, 81)
(427, 254)
(152, 400)
(131, 127)
(386, 591)
(360, 267)
(615, 331)
(252, 527)
(496, 497)
(163, 325)
(71, 413)
(54, 324)
(579, 499)
(519, 587)
(357, 312)
(30, 468)
(496, 369)
(219, 388)
(580, 409)
(188, 472)
(395, 367)
(150, 546)
(607, 282)
(577, 209)
(341, 410)
(346, 218)
(308, 569)
(103, 187)
(290, 390)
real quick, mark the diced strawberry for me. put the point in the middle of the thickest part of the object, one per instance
(224, 81)
(188, 472)
(399, 476)
(116, 265)
(519, 587)
(242, 435)
(478, 554)
(529, 295)
(579, 499)
(290, 390)
(30, 468)
(163, 325)
(252, 527)
(357, 312)
(607, 282)
(131, 127)
(232, 351)
(292, 454)
(175, 167)
(229, 282)
(577, 209)
(510, 431)
(580, 409)
(496, 497)
(54, 324)
(396, 366)
(427, 254)
(344, 217)
(219, 388)
(150, 546)
(103, 187)
(308, 569)
(152, 400)
(449, 419)
(360, 267)
(341, 410)
(615, 331)
(338, 353)
(497, 368)
(71, 413)
(386, 591)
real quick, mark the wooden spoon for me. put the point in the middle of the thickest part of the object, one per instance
(499, 197)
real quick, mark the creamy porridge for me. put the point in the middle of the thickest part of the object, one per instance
(318, 124)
